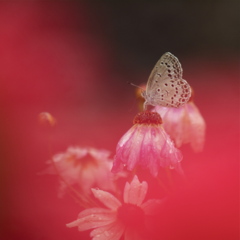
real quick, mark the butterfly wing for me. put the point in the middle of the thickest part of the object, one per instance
(165, 85)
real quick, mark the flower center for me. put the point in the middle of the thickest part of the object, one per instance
(86, 161)
(147, 117)
(131, 215)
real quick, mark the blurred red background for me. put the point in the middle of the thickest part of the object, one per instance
(74, 60)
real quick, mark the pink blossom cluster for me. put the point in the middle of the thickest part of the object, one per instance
(148, 152)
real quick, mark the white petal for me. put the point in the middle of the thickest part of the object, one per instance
(111, 231)
(92, 218)
(107, 199)
(90, 211)
(73, 224)
(135, 192)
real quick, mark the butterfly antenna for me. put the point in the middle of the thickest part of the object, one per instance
(135, 85)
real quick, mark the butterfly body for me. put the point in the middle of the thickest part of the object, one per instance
(165, 86)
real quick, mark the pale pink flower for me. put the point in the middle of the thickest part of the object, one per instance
(129, 218)
(147, 145)
(184, 124)
(88, 167)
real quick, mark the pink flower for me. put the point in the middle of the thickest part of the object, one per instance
(85, 166)
(128, 218)
(146, 144)
(184, 124)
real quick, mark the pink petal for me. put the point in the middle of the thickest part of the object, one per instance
(135, 192)
(150, 149)
(134, 145)
(146, 145)
(170, 156)
(112, 231)
(126, 137)
(173, 122)
(92, 218)
(198, 128)
(184, 124)
(107, 199)
(128, 150)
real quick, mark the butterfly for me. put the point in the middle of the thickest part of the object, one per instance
(165, 86)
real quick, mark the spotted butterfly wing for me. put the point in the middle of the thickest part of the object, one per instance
(165, 86)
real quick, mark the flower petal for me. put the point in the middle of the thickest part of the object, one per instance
(111, 231)
(135, 192)
(100, 154)
(170, 156)
(92, 218)
(146, 144)
(107, 199)
(184, 124)
(152, 206)
(127, 150)
(198, 127)
(150, 152)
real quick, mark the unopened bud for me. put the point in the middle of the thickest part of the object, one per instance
(46, 118)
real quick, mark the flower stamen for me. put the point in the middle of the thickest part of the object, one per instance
(147, 117)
